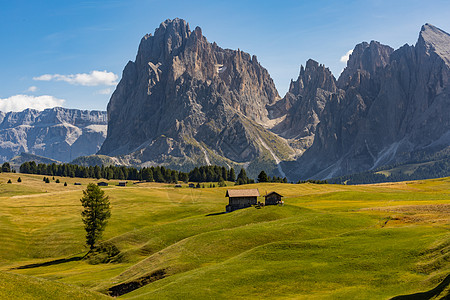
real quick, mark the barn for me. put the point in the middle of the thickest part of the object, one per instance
(238, 199)
(102, 183)
(273, 198)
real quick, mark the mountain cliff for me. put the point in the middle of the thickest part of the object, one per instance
(58, 133)
(185, 101)
(395, 105)
(301, 108)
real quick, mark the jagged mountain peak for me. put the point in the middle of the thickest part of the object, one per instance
(429, 32)
(313, 75)
(435, 40)
(365, 58)
(186, 98)
(168, 40)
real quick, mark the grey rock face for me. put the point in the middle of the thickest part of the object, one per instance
(303, 104)
(365, 60)
(189, 101)
(58, 133)
(185, 102)
(395, 103)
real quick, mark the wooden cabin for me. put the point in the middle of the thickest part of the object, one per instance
(102, 183)
(122, 183)
(238, 199)
(273, 198)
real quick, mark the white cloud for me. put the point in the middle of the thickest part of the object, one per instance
(32, 89)
(92, 79)
(345, 58)
(107, 91)
(21, 102)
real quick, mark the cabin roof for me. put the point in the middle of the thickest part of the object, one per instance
(243, 193)
(273, 193)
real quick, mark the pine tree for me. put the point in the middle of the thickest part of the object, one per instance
(224, 174)
(6, 168)
(19, 179)
(243, 176)
(262, 177)
(221, 182)
(96, 213)
(65, 183)
(232, 175)
(147, 174)
(9, 181)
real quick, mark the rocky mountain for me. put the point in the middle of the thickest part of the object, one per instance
(58, 133)
(185, 101)
(394, 106)
(301, 108)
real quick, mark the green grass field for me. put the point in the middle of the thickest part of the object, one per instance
(326, 242)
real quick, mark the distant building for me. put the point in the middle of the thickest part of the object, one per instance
(122, 183)
(178, 185)
(238, 199)
(102, 183)
(273, 198)
(191, 185)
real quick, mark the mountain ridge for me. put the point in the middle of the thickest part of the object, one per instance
(57, 133)
(186, 102)
(190, 102)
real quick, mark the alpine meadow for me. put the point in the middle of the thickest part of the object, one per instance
(161, 242)
(210, 150)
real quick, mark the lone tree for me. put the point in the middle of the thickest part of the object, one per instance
(95, 214)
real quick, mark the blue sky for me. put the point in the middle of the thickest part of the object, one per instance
(82, 46)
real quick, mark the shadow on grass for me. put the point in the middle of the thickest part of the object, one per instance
(429, 294)
(216, 214)
(49, 263)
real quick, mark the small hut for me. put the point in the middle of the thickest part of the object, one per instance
(102, 183)
(273, 198)
(238, 199)
(122, 183)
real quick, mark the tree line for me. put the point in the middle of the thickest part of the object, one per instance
(157, 174)
(214, 173)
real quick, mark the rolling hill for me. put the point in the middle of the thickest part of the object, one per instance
(327, 241)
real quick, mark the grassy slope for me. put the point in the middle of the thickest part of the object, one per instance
(327, 241)
(14, 286)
